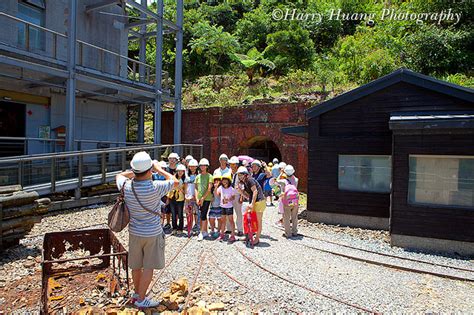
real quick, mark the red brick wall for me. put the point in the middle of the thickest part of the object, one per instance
(226, 130)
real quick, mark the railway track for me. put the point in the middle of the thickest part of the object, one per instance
(386, 264)
(317, 292)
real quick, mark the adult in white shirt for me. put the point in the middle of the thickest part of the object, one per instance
(223, 168)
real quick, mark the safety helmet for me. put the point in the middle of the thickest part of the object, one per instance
(270, 164)
(257, 162)
(204, 162)
(282, 165)
(216, 177)
(223, 157)
(188, 158)
(227, 176)
(242, 170)
(289, 170)
(275, 161)
(193, 162)
(163, 164)
(234, 160)
(141, 162)
(173, 156)
(181, 167)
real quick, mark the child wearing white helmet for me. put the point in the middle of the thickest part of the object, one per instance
(187, 159)
(237, 203)
(176, 200)
(173, 160)
(190, 205)
(204, 183)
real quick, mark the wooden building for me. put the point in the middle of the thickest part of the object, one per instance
(396, 153)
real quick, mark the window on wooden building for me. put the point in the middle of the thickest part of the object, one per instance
(365, 173)
(441, 180)
(32, 11)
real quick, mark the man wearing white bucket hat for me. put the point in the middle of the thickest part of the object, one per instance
(146, 239)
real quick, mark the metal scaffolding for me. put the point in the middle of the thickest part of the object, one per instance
(76, 79)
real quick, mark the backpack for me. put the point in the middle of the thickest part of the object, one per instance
(290, 195)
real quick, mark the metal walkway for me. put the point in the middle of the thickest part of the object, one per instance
(59, 172)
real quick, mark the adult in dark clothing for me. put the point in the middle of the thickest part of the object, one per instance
(253, 191)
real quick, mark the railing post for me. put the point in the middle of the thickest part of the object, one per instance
(124, 160)
(1, 227)
(81, 54)
(103, 167)
(20, 173)
(202, 152)
(80, 170)
(55, 46)
(27, 37)
(53, 174)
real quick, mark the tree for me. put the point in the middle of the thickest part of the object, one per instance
(290, 49)
(214, 46)
(253, 28)
(433, 50)
(253, 61)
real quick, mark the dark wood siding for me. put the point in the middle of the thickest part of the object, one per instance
(361, 127)
(370, 115)
(428, 221)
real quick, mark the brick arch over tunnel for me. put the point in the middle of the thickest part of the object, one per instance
(260, 147)
(236, 129)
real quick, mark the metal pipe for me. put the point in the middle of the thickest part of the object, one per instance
(158, 73)
(35, 157)
(20, 173)
(71, 80)
(31, 24)
(103, 167)
(53, 174)
(178, 72)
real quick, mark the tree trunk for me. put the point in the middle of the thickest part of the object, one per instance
(18, 199)
(9, 189)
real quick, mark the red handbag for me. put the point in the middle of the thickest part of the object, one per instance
(250, 222)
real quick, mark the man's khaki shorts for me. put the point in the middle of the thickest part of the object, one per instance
(146, 252)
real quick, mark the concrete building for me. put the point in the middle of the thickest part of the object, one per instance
(66, 78)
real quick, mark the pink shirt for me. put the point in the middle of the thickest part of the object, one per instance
(226, 193)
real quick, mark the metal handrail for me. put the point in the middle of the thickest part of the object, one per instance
(77, 165)
(32, 24)
(27, 158)
(30, 138)
(81, 44)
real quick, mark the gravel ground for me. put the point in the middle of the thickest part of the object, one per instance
(369, 286)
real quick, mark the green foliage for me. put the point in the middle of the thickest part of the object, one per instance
(290, 49)
(254, 61)
(434, 50)
(253, 28)
(213, 44)
(460, 79)
(228, 43)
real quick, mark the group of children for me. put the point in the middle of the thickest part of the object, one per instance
(210, 201)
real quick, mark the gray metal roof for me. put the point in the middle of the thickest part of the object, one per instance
(400, 75)
(431, 120)
(297, 131)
